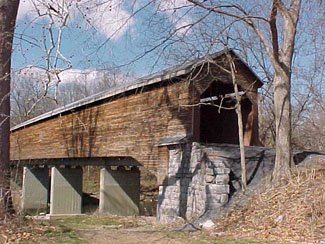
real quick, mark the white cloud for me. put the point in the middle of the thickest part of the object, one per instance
(76, 75)
(173, 9)
(171, 5)
(26, 9)
(70, 76)
(183, 24)
(109, 18)
(67, 76)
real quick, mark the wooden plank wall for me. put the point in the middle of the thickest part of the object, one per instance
(128, 126)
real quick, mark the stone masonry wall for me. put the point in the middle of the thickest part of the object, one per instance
(195, 184)
(204, 177)
(172, 199)
(209, 186)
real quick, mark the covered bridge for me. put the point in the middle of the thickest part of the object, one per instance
(134, 124)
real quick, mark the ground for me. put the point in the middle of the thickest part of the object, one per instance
(293, 213)
(119, 230)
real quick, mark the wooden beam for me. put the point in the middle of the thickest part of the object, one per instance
(93, 161)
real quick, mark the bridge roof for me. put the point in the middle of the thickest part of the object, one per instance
(173, 72)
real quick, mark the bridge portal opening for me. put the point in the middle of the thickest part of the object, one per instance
(218, 118)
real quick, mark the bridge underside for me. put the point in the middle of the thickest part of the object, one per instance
(87, 161)
(58, 183)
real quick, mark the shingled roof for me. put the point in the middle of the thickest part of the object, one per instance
(158, 77)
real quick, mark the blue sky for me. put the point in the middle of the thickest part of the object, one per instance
(78, 38)
(100, 34)
(103, 34)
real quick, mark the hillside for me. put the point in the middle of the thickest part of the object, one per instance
(293, 213)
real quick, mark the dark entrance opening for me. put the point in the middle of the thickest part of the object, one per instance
(218, 119)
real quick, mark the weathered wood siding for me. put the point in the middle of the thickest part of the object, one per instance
(130, 125)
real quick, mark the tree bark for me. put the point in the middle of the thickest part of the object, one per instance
(8, 14)
(282, 91)
(282, 111)
(241, 141)
(240, 123)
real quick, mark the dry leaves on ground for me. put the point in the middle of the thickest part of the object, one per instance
(294, 212)
(19, 230)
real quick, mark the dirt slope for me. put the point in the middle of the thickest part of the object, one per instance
(292, 213)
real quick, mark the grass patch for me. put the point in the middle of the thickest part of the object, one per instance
(61, 235)
(29, 232)
(89, 222)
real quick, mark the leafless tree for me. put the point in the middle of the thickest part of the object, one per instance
(240, 122)
(280, 54)
(8, 12)
(27, 99)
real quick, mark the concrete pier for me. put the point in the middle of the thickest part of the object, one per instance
(119, 191)
(66, 191)
(35, 189)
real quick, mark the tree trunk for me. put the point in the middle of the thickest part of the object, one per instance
(240, 123)
(241, 143)
(8, 14)
(282, 92)
(282, 111)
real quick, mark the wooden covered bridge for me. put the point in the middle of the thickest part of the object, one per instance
(131, 126)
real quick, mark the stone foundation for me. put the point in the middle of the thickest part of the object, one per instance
(203, 177)
(195, 184)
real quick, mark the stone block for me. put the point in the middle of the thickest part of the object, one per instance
(224, 198)
(209, 171)
(222, 179)
(213, 198)
(172, 188)
(35, 190)
(217, 198)
(119, 191)
(221, 171)
(165, 219)
(218, 164)
(66, 191)
(169, 211)
(210, 179)
(172, 171)
(175, 197)
(162, 175)
(175, 202)
(217, 189)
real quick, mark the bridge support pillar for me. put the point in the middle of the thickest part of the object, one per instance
(66, 191)
(119, 191)
(35, 189)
